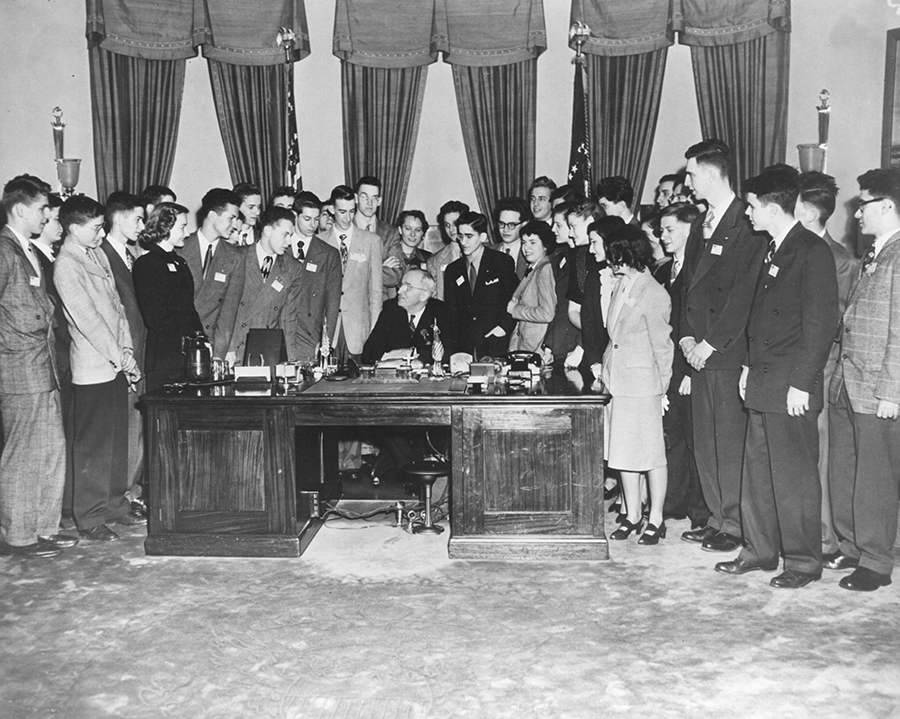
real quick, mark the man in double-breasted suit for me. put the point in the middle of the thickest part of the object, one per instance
(360, 253)
(722, 261)
(33, 463)
(216, 267)
(271, 282)
(789, 331)
(125, 220)
(477, 290)
(319, 299)
(865, 396)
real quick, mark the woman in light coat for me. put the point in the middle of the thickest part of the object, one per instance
(533, 304)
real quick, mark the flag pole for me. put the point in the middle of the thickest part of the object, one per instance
(580, 148)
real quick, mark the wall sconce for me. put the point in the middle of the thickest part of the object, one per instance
(813, 155)
(67, 169)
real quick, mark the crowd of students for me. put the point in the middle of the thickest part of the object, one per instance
(727, 329)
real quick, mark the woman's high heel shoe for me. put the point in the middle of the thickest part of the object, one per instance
(626, 528)
(652, 534)
(615, 507)
(611, 492)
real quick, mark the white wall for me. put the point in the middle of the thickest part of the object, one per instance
(838, 44)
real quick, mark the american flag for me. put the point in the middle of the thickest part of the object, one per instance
(292, 174)
(580, 150)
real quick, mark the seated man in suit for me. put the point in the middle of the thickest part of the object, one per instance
(865, 396)
(512, 213)
(319, 300)
(615, 195)
(539, 199)
(477, 290)
(103, 366)
(271, 283)
(368, 200)
(216, 268)
(250, 207)
(790, 331)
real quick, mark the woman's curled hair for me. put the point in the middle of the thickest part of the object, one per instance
(160, 223)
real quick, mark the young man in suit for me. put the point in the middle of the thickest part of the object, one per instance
(815, 204)
(368, 200)
(865, 396)
(360, 253)
(33, 463)
(684, 497)
(615, 195)
(319, 300)
(124, 222)
(250, 207)
(790, 330)
(103, 365)
(271, 283)
(539, 195)
(722, 260)
(512, 213)
(477, 290)
(440, 260)
(216, 267)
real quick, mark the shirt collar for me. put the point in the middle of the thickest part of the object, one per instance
(261, 255)
(204, 243)
(779, 238)
(720, 209)
(881, 240)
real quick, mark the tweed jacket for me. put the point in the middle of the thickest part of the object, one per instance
(535, 307)
(719, 286)
(97, 322)
(268, 304)
(521, 262)
(638, 358)
(218, 296)
(318, 300)
(870, 337)
(125, 288)
(792, 323)
(27, 364)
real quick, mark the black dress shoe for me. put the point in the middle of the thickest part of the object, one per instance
(698, 535)
(132, 519)
(865, 580)
(792, 579)
(721, 542)
(28, 550)
(652, 534)
(836, 560)
(60, 541)
(100, 533)
(742, 566)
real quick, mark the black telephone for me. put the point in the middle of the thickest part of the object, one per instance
(523, 361)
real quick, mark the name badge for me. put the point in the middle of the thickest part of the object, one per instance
(220, 277)
(459, 281)
(773, 270)
(277, 286)
(357, 257)
(311, 267)
(629, 300)
(34, 281)
(716, 250)
(172, 268)
(562, 262)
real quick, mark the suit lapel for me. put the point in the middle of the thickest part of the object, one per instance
(718, 243)
(890, 247)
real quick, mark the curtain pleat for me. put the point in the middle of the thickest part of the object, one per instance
(742, 95)
(381, 110)
(250, 102)
(498, 111)
(136, 107)
(624, 100)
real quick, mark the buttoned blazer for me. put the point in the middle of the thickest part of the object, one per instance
(471, 317)
(27, 363)
(390, 247)
(266, 303)
(97, 323)
(438, 264)
(318, 299)
(361, 297)
(680, 366)
(720, 282)
(535, 308)
(165, 293)
(61, 339)
(562, 335)
(218, 297)
(792, 323)
(125, 288)
(521, 262)
(638, 358)
(392, 331)
(870, 337)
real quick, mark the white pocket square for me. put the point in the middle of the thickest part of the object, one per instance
(491, 282)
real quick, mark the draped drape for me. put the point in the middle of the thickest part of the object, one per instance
(250, 102)
(136, 106)
(624, 93)
(497, 110)
(742, 94)
(381, 110)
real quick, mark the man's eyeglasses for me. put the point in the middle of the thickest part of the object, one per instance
(406, 287)
(860, 204)
(509, 225)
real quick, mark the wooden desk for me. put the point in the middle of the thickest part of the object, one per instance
(237, 475)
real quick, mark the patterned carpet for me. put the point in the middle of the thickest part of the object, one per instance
(374, 622)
